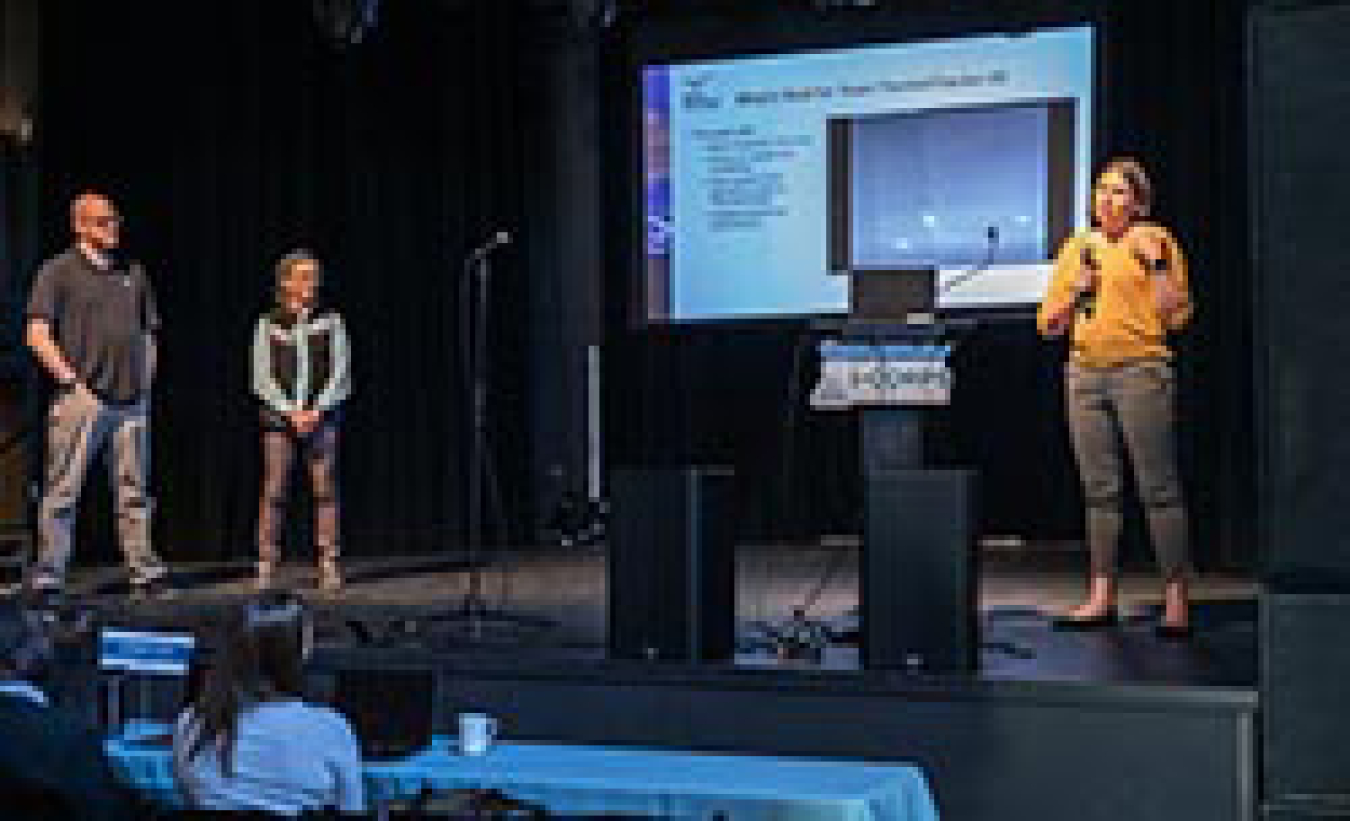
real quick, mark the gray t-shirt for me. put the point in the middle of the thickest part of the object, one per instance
(100, 319)
(289, 757)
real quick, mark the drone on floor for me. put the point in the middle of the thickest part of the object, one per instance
(576, 520)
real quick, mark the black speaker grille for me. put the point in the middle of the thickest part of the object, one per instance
(672, 564)
(1300, 109)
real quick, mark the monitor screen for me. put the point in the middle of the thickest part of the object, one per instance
(141, 651)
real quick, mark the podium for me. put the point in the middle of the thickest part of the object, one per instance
(892, 375)
(918, 588)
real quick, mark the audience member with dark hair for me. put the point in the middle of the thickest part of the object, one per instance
(50, 762)
(250, 741)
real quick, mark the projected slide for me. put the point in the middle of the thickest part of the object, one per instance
(769, 178)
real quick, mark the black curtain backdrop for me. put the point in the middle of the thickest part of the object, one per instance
(19, 243)
(18, 250)
(1171, 94)
(230, 133)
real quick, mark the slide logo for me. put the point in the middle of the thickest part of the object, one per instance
(696, 95)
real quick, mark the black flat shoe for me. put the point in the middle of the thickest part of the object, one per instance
(1108, 619)
(1172, 632)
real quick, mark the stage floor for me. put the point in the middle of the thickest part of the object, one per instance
(562, 596)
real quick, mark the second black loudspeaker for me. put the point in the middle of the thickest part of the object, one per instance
(918, 593)
(672, 564)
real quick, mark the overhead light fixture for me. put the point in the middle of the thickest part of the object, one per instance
(346, 22)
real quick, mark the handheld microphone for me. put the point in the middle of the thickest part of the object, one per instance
(1087, 301)
(1153, 267)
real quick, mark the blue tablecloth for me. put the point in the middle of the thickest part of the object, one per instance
(569, 779)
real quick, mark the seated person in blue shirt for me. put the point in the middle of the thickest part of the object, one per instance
(250, 741)
(51, 763)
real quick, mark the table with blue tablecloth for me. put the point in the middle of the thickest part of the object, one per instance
(578, 780)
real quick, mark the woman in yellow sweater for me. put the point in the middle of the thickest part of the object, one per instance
(1117, 290)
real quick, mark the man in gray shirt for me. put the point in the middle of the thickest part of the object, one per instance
(91, 323)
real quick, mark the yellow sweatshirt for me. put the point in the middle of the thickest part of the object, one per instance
(1124, 324)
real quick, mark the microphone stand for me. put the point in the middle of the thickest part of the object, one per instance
(474, 612)
(1008, 648)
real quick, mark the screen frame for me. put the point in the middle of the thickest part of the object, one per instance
(667, 42)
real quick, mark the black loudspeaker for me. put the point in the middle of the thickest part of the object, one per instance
(918, 593)
(1300, 110)
(1305, 667)
(672, 564)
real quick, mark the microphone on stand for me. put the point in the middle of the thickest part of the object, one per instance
(496, 241)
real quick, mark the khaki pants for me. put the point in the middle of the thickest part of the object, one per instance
(1120, 411)
(319, 450)
(78, 424)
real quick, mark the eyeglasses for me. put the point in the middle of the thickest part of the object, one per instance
(109, 221)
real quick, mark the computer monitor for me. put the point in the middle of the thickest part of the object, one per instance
(144, 652)
(891, 295)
